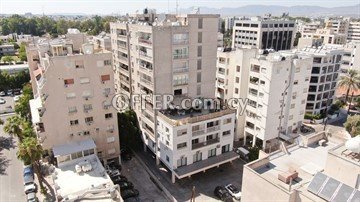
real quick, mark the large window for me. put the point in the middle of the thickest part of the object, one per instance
(181, 145)
(181, 162)
(197, 157)
(181, 38)
(181, 53)
(225, 148)
(180, 80)
(212, 153)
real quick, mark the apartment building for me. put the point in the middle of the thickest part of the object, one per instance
(232, 79)
(306, 28)
(309, 172)
(174, 55)
(324, 76)
(339, 26)
(354, 31)
(7, 49)
(73, 86)
(229, 22)
(327, 36)
(351, 57)
(277, 92)
(264, 33)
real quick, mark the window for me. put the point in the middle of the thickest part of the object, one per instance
(108, 116)
(70, 95)
(105, 77)
(89, 119)
(110, 139)
(76, 155)
(226, 121)
(237, 79)
(167, 158)
(296, 82)
(292, 106)
(79, 64)
(181, 145)
(225, 148)
(84, 80)
(198, 90)
(86, 132)
(199, 37)
(180, 38)
(181, 53)
(107, 62)
(200, 23)
(88, 152)
(199, 51)
(212, 153)
(262, 82)
(237, 68)
(74, 122)
(68, 82)
(198, 77)
(87, 107)
(197, 157)
(225, 133)
(182, 162)
(72, 109)
(199, 64)
(236, 90)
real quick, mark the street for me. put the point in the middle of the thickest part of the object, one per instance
(5, 108)
(11, 181)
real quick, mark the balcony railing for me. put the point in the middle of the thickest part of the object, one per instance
(206, 143)
(212, 129)
(144, 41)
(180, 56)
(146, 81)
(198, 132)
(181, 70)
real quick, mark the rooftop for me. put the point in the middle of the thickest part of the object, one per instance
(96, 181)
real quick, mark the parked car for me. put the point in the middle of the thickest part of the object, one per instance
(125, 185)
(28, 179)
(2, 93)
(234, 191)
(2, 101)
(16, 98)
(30, 187)
(31, 197)
(118, 178)
(28, 170)
(9, 92)
(113, 173)
(132, 199)
(222, 194)
(128, 193)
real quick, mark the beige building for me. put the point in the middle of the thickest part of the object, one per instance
(73, 86)
(305, 172)
(354, 31)
(326, 36)
(175, 56)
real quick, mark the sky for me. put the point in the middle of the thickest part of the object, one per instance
(130, 6)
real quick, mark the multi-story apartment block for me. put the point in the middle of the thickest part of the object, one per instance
(174, 56)
(73, 87)
(326, 36)
(232, 79)
(354, 31)
(305, 28)
(351, 57)
(229, 22)
(339, 26)
(324, 76)
(277, 92)
(264, 33)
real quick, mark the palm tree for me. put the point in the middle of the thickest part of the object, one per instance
(351, 81)
(30, 152)
(13, 127)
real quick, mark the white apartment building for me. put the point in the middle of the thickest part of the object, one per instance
(311, 27)
(354, 31)
(324, 76)
(351, 57)
(174, 55)
(327, 36)
(229, 22)
(7, 49)
(277, 92)
(264, 33)
(232, 79)
(73, 86)
(339, 26)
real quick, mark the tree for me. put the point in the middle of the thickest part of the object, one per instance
(129, 131)
(30, 152)
(297, 37)
(8, 59)
(351, 82)
(352, 125)
(13, 127)
(22, 107)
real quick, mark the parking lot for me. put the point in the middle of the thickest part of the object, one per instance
(204, 183)
(5, 108)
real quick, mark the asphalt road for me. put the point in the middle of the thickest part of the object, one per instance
(11, 181)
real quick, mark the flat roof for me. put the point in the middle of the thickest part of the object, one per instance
(73, 147)
(305, 160)
(68, 183)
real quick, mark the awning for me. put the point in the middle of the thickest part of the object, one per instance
(66, 149)
(285, 137)
(243, 150)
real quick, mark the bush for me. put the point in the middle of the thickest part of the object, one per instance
(253, 153)
(352, 125)
(314, 116)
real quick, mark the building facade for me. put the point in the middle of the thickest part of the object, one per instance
(354, 31)
(351, 57)
(264, 33)
(173, 56)
(73, 86)
(324, 76)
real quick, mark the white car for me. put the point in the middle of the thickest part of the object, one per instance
(234, 192)
(30, 187)
(2, 93)
(16, 98)
(2, 101)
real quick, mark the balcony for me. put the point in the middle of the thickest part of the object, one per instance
(146, 41)
(181, 70)
(213, 128)
(180, 56)
(198, 132)
(150, 83)
(206, 143)
(180, 42)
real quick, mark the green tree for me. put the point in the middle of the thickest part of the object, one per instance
(13, 127)
(8, 59)
(30, 152)
(351, 82)
(22, 107)
(297, 37)
(1, 122)
(352, 125)
(129, 131)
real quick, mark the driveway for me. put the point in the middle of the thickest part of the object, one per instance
(204, 183)
(11, 181)
(4, 108)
